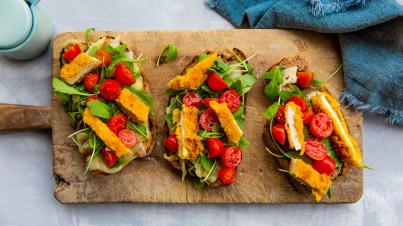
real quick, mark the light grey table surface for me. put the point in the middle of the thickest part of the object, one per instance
(26, 190)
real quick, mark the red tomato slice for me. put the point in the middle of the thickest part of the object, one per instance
(215, 82)
(207, 119)
(117, 122)
(123, 74)
(298, 101)
(321, 125)
(231, 156)
(308, 116)
(110, 89)
(192, 99)
(104, 57)
(171, 143)
(315, 148)
(279, 133)
(91, 98)
(326, 165)
(128, 137)
(304, 79)
(108, 156)
(280, 115)
(91, 80)
(208, 100)
(72, 52)
(231, 98)
(214, 147)
(227, 175)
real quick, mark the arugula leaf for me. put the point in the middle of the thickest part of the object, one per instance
(62, 87)
(66, 100)
(198, 182)
(93, 50)
(171, 53)
(329, 193)
(87, 32)
(272, 90)
(331, 152)
(239, 116)
(145, 97)
(243, 143)
(206, 162)
(285, 95)
(168, 118)
(139, 128)
(115, 51)
(243, 84)
(99, 109)
(316, 83)
(204, 134)
(220, 67)
(202, 56)
(271, 111)
(119, 58)
(64, 61)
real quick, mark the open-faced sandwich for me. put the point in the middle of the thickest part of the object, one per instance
(307, 132)
(205, 117)
(107, 97)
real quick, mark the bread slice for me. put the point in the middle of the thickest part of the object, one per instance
(301, 63)
(227, 57)
(149, 118)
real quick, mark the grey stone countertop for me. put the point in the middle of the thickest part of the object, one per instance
(26, 191)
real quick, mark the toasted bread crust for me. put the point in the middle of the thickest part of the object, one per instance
(227, 57)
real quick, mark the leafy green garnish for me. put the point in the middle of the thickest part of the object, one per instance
(198, 182)
(171, 53)
(271, 111)
(206, 162)
(367, 167)
(119, 58)
(60, 86)
(329, 193)
(243, 84)
(117, 50)
(144, 97)
(96, 144)
(316, 83)
(99, 109)
(139, 128)
(202, 56)
(243, 143)
(87, 37)
(93, 50)
(66, 100)
(272, 90)
(239, 116)
(331, 152)
(64, 61)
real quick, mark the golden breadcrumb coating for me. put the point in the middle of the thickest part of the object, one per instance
(77, 69)
(294, 122)
(194, 77)
(105, 134)
(132, 106)
(304, 173)
(176, 115)
(344, 144)
(190, 145)
(227, 121)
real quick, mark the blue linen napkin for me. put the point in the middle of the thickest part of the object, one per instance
(371, 41)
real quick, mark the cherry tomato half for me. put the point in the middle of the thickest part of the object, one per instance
(104, 57)
(280, 115)
(192, 99)
(231, 156)
(128, 137)
(304, 79)
(298, 101)
(231, 98)
(321, 125)
(214, 147)
(215, 82)
(315, 148)
(208, 100)
(207, 119)
(227, 175)
(308, 116)
(327, 165)
(117, 122)
(72, 52)
(108, 156)
(278, 132)
(123, 74)
(91, 98)
(91, 80)
(171, 143)
(110, 89)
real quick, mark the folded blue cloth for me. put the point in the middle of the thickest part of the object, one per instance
(371, 41)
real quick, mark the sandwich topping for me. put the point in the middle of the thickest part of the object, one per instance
(205, 117)
(110, 108)
(310, 130)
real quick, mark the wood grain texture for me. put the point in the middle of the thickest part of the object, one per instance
(23, 117)
(152, 179)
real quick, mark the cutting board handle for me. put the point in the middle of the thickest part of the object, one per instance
(23, 117)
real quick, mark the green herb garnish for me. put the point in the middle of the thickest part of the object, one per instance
(171, 53)
(87, 32)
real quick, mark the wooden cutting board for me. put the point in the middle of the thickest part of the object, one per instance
(152, 180)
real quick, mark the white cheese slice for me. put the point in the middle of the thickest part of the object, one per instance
(289, 75)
